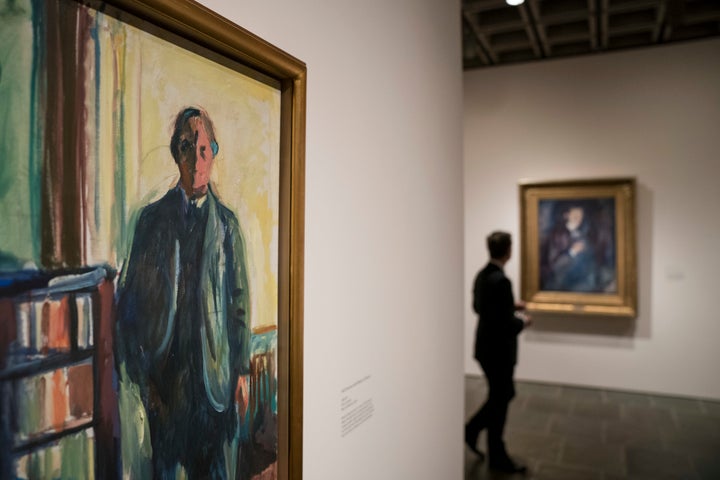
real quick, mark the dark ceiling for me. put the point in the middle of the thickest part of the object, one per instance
(497, 34)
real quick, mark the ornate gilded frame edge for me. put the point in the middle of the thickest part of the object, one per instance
(622, 304)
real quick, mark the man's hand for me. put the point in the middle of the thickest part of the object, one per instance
(577, 247)
(242, 395)
(527, 320)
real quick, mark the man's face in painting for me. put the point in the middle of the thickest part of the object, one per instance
(574, 218)
(195, 158)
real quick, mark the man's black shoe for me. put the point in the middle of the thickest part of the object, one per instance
(507, 466)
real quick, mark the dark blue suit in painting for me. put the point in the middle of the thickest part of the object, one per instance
(183, 332)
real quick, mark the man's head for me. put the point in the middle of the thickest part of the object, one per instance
(193, 146)
(499, 244)
(574, 217)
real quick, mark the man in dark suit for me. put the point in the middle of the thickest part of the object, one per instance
(183, 330)
(500, 322)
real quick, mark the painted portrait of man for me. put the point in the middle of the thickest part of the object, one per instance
(158, 163)
(577, 245)
(183, 313)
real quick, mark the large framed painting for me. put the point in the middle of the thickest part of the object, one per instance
(578, 247)
(151, 254)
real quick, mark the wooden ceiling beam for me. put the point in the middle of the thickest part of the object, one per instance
(487, 57)
(540, 27)
(530, 30)
(592, 24)
(660, 15)
(604, 34)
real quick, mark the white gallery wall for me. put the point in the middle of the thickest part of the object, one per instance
(384, 242)
(652, 114)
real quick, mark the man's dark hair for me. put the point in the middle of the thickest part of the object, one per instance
(182, 118)
(498, 244)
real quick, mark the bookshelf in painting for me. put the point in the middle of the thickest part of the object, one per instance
(56, 395)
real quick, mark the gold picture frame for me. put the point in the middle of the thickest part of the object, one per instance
(63, 240)
(578, 253)
(228, 41)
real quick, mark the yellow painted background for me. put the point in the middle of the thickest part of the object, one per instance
(131, 117)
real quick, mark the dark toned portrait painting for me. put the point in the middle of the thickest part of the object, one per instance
(577, 245)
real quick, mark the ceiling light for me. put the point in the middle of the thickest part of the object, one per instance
(514, 3)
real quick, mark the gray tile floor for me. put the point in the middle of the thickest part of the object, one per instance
(572, 433)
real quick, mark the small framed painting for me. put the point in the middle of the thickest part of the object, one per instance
(578, 246)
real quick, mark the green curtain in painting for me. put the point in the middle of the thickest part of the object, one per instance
(62, 143)
(19, 175)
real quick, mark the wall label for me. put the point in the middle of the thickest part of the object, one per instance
(356, 405)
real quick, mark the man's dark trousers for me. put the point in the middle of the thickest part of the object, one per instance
(493, 413)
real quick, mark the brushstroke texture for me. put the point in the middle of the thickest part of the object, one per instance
(17, 175)
(88, 150)
(189, 380)
(64, 152)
